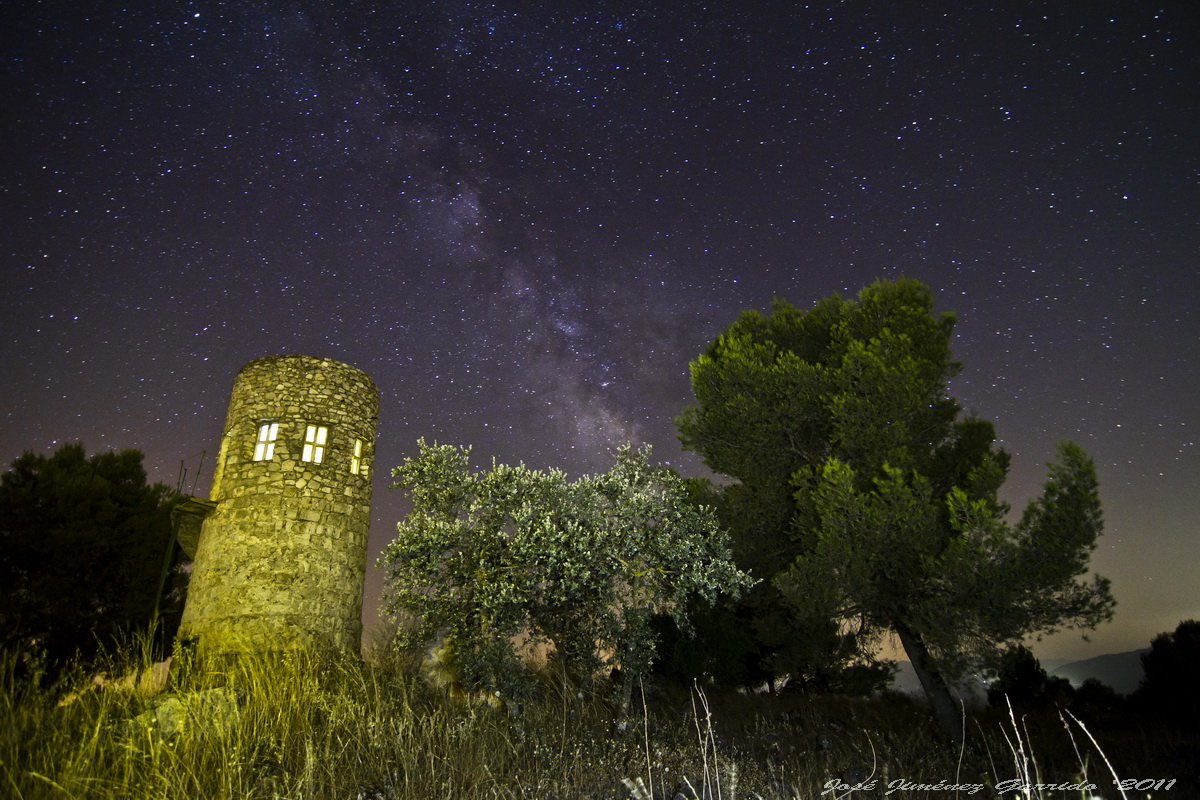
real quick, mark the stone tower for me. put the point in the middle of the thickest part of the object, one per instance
(279, 549)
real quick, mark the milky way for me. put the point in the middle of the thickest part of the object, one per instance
(524, 222)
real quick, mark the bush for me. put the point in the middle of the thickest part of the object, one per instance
(1170, 689)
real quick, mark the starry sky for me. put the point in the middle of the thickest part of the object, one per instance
(524, 219)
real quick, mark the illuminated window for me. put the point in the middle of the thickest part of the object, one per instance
(357, 467)
(264, 446)
(314, 443)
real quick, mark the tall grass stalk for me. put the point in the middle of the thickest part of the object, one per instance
(704, 733)
(1083, 761)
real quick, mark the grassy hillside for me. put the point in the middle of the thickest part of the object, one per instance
(300, 727)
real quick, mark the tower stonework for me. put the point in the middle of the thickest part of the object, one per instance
(281, 554)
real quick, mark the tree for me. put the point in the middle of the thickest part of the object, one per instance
(881, 502)
(82, 546)
(1097, 702)
(1021, 681)
(488, 560)
(1169, 688)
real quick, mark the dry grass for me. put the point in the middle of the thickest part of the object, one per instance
(302, 727)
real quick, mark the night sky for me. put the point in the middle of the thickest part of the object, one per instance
(523, 220)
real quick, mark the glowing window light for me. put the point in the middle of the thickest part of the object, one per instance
(314, 443)
(357, 467)
(264, 446)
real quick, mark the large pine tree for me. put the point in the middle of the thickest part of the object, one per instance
(877, 502)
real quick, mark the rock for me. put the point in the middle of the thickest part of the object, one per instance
(209, 712)
(148, 683)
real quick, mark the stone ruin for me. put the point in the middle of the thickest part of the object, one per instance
(279, 548)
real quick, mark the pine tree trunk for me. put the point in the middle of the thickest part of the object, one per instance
(945, 711)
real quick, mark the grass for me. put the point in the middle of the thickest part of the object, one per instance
(299, 726)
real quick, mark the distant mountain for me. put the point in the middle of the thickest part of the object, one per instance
(1051, 664)
(1121, 671)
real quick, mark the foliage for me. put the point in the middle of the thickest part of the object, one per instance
(82, 545)
(718, 649)
(776, 396)
(759, 636)
(1021, 681)
(876, 504)
(1097, 701)
(1169, 688)
(519, 556)
(965, 583)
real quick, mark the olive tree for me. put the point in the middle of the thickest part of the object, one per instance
(513, 558)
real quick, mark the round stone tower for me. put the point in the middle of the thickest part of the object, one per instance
(281, 554)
